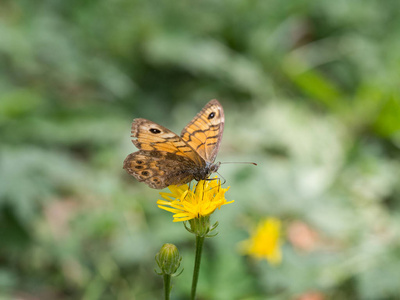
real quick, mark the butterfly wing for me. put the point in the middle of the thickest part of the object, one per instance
(204, 132)
(159, 170)
(153, 137)
(164, 158)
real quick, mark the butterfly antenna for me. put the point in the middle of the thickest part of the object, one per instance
(239, 162)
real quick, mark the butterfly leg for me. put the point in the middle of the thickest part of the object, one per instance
(189, 187)
(219, 179)
(222, 178)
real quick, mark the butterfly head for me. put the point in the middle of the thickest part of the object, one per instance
(214, 168)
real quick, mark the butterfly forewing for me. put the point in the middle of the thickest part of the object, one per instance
(153, 137)
(204, 132)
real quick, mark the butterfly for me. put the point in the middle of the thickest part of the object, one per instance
(165, 158)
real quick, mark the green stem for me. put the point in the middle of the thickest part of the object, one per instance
(167, 286)
(199, 248)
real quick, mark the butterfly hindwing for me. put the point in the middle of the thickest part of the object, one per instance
(204, 132)
(159, 169)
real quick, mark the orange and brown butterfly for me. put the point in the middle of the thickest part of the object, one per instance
(165, 158)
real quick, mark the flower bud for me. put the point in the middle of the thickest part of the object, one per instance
(168, 259)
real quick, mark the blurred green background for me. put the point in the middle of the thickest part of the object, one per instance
(310, 91)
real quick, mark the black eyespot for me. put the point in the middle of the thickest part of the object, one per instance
(139, 167)
(211, 115)
(139, 162)
(155, 180)
(155, 130)
(145, 173)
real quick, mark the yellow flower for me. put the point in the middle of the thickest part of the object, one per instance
(202, 200)
(265, 241)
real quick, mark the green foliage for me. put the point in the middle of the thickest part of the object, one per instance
(310, 92)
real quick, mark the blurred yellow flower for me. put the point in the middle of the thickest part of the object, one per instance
(202, 200)
(264, 242)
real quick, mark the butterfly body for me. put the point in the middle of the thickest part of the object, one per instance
(165, 158)
(204, 173)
